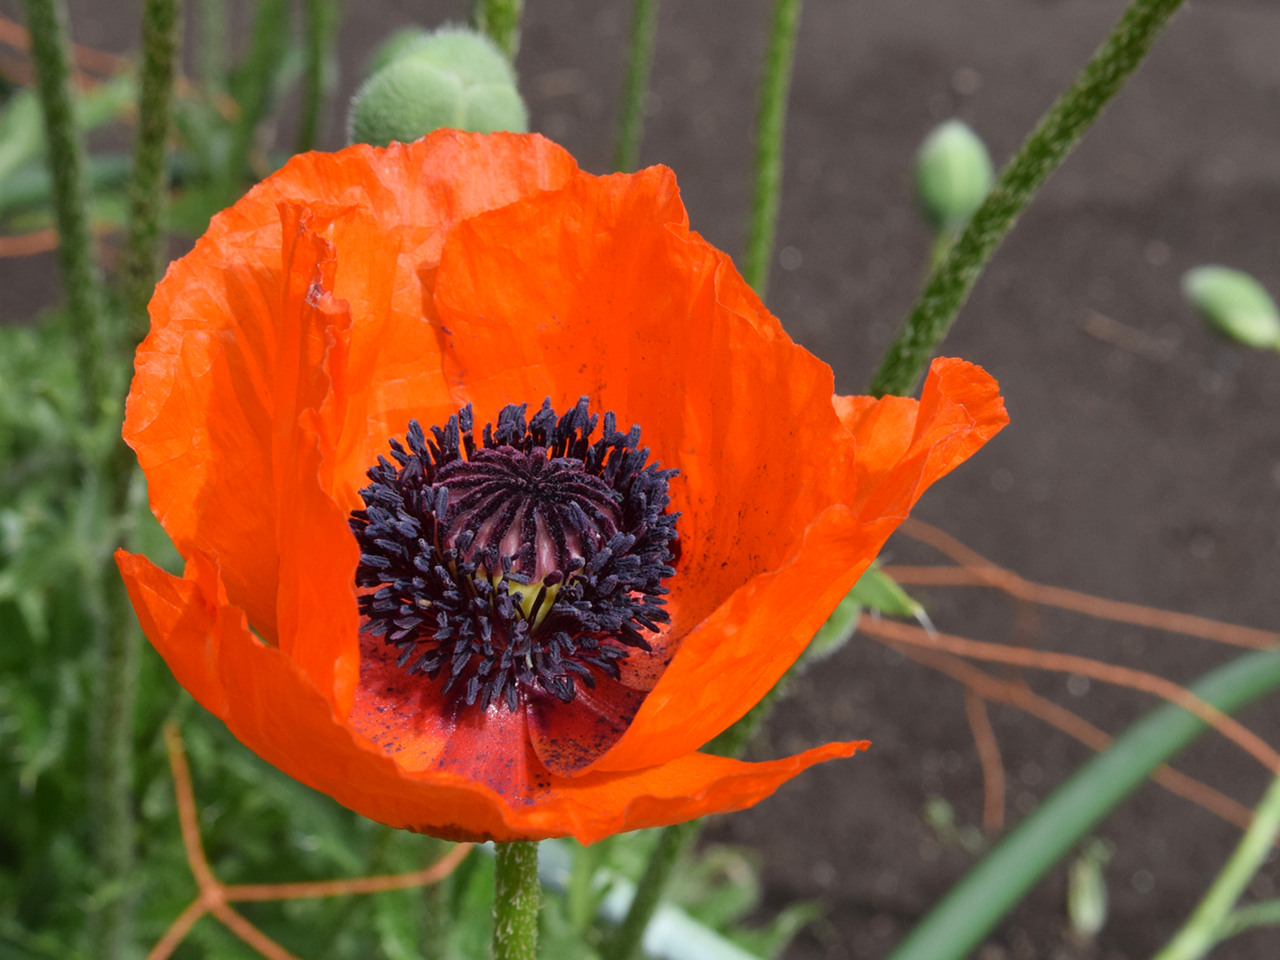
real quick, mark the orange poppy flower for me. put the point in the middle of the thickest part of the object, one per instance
(527, 629)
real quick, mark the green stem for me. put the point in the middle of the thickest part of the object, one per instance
(1264, 914)
(973, 906)
(771, 120)
(676, 840)
(500, 19)
(673, 843)
(1208, 922)
(1053, 138)
(644, 21)
(115, 710)
(148, 193)
(515, 901)
(322, 22)
(47, 24)
(211, 54)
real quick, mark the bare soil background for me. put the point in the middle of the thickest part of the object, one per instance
(1147, 474)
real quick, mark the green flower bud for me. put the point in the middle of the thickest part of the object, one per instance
(395, 46)
(953, 175)
(451, 78)
(1234, 304)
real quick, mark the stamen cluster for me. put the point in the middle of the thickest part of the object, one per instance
(527, 563)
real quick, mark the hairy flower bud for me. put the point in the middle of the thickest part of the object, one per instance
(953, 175)
(1235, 304)
(453, 77)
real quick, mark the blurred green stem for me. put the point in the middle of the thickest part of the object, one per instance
(975, 905)
(1054, 137)
(500, 19)
(211, 51)
(47, 24)
(676, 840)
(322, 22)
(515, 901)
(771, 120)
(148, 189)
(644, 21)
(673, 843)
(1208, 924)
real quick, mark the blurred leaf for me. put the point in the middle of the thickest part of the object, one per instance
(1235, 304)
(876, 590)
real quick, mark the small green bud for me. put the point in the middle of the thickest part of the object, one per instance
(953, 175)
(1235, 304)
(1087, 889)
(451, 78)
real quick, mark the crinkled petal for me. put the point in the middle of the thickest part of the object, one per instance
(736, 655)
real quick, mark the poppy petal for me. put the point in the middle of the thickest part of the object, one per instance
(273, 709)
(646, 329)
(569, 737)
(736, 655)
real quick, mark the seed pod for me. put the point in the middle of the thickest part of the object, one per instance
(453, 77)
(953, 175)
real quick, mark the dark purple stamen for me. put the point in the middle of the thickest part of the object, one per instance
(526, 563)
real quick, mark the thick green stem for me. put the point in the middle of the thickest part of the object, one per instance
(47, 24)
(515, 901)
(1057, 133)
(148, 189)
(973, 906)
(500, 19)
(115, 703)
(321, 24)
(771, 121)
(1208, 922)
(644, 21)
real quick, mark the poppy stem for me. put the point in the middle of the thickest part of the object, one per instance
(673, 843)
(321, 26)
(500, 19)
(47, 24)
(1054, 137)
(644, 20)
(771, 120)
(515, 900)
(161, 25)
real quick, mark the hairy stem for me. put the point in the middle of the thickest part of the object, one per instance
(148, 189)
(47, 24)
(1054, 137)
(673, 843)
(771, 120)
(515, 901)
(500, 19)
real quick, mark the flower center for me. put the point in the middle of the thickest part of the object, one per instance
(529, 563)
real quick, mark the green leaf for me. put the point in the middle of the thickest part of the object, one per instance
(1234, 304)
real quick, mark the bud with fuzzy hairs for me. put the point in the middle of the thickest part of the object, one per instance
(452, 77)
